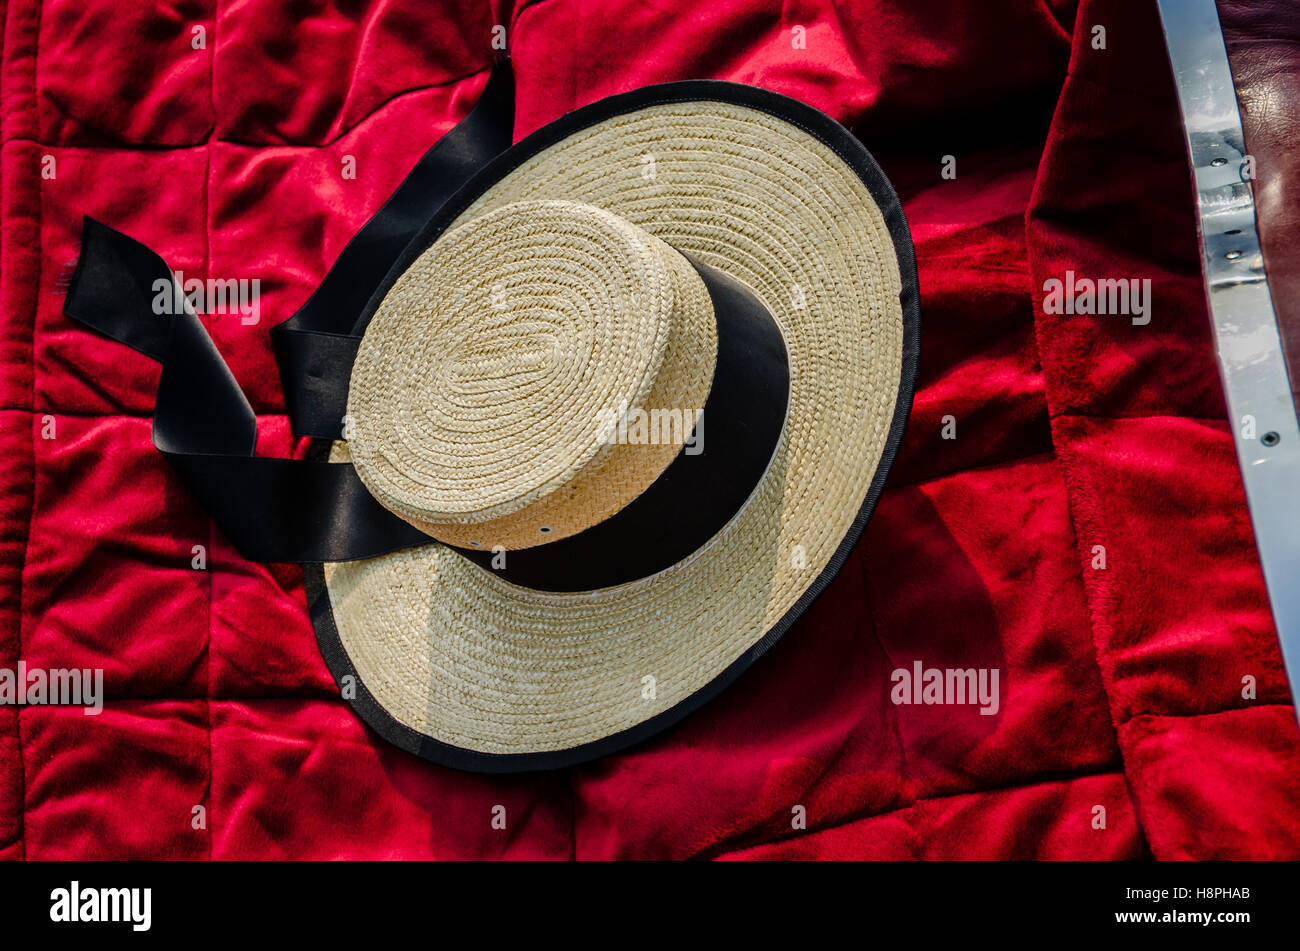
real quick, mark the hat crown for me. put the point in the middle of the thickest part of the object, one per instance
(488, 388)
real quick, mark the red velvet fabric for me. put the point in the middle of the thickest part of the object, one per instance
(1122, 684)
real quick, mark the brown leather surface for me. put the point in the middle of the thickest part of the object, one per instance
(1263, 42)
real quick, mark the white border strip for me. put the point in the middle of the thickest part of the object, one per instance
(1241, 308)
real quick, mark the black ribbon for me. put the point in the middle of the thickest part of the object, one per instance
(305, 511)
(271, 509)
(283, 510)
(316, 346)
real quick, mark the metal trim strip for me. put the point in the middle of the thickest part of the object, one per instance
(1246, 334)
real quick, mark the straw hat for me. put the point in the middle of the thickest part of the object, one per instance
(697, 246)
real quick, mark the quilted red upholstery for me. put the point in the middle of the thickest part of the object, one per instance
(1122, 685)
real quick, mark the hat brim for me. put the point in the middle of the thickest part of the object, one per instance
(456, 665)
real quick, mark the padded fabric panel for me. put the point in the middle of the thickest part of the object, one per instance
(1121, 685)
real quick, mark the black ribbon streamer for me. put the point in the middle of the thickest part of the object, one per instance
(284, 510)
(315, 347)
(287, 510)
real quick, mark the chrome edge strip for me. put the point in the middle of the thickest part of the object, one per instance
(1241, 307)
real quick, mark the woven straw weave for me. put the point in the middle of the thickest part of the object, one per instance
(458, 654)
(479, 391)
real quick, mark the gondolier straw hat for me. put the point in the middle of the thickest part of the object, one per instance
(599, 413)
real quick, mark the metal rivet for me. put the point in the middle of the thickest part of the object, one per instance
(1270, 438)
(1233, 231)
(1219, 162)
(1232, 255)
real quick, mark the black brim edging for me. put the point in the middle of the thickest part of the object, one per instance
(826, 130)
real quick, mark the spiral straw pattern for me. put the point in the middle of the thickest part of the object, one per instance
(457, 653)
(483, 384)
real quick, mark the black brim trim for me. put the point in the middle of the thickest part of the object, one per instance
(854, 154)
